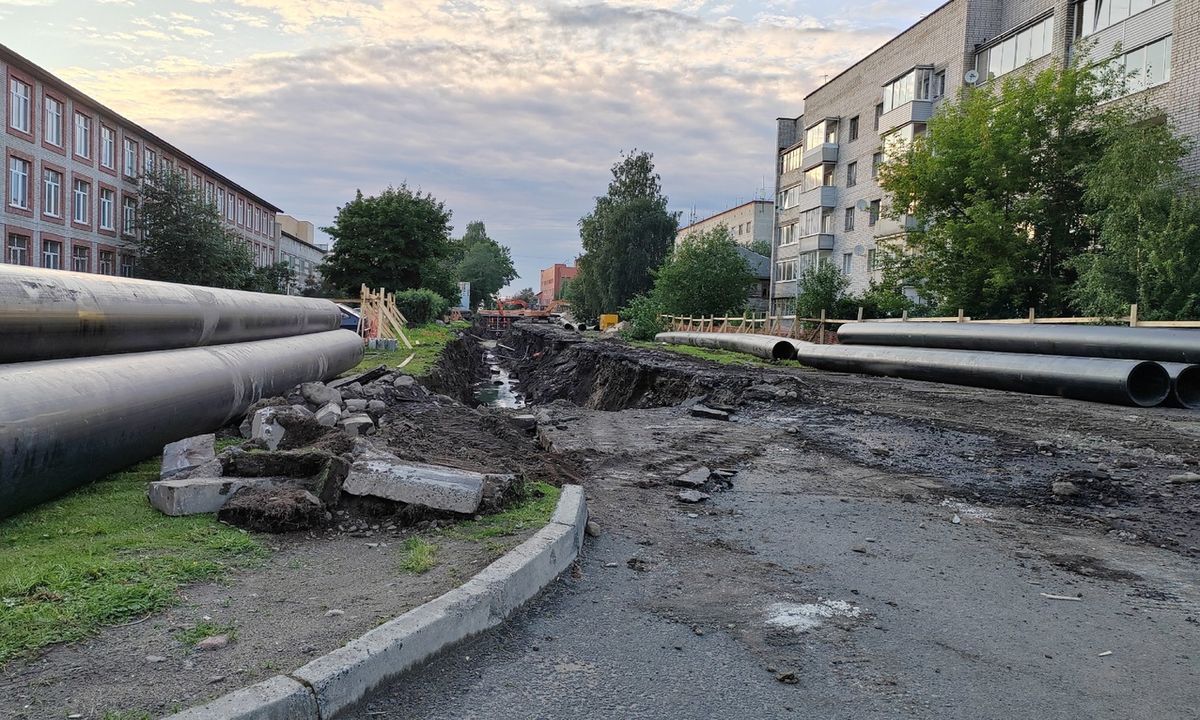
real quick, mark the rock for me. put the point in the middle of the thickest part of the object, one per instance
(1043, 445)
(265, 427)
(329, 414)
(214, 642)
(694, 478)
(592, 529)
(524, 422)
(383, 475)
(320, 393)
(357, 424)
(1181, 478)
(1064, 488)
(192, 496)
(303, 411)
(638, 564)
(404, 381)
(246, 426)
(956, 519)
(334, 613)
(691, 496)
(155, 659)
(704, 411)
(788, 678)
(187, 453)
(356, 405)
(376, 406)
(859, 549)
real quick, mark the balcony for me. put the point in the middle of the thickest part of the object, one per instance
(820, 241)
(790, 215)
(820, 196)
(790, 177)
(910, 112)
(887, 226)
(823, 153)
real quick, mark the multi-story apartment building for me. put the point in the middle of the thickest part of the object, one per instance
(70, 179)
(298, 248)
(554, 278)
(746, 223)
(829, 205)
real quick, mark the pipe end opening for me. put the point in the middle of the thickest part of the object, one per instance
(1187, 387)
(1148, 384)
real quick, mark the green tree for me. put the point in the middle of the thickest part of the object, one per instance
(398, 240)
(762, 247)
(484, 263)
(277, 278)
(626, 236)
(182, 239)
(820, 286)
(705, 275)
(529, 296)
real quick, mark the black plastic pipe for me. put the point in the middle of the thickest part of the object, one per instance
(46, 314)
(1120, 382)
(67, 422)
(1185, 385)
(1098, 341)
(768, 347)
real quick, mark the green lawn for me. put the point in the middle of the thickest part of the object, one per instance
(726, 357)
(428, 341)
(533, 511)
(103, 556)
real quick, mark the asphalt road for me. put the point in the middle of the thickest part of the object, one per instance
(889, 608)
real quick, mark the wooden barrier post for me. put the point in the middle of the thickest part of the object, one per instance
(821, 331)
(1032, 316)
(960, 315)
(860, 313)
(1133, 312)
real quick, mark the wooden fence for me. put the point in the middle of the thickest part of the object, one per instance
(815, 328)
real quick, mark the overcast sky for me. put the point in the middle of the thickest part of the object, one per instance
(511, 111)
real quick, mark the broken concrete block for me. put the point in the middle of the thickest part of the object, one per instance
(329, 415)
(694, 478)
(265, 427)
(703, 411)
(691, 496)
(356, 405)
(357, 424)
(320, 393)
(524, 422)
(187, 453)
(193, 495)
(302, 410)
(441, 488)
(376, 406)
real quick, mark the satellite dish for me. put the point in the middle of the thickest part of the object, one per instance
(860, 250)
(971, 77)
(862, 204)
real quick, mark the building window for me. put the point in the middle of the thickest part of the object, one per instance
(876, 161)
(853, 128)
(241, 212)
(852, 174)
(52, 254)
(107, 205)
(54, 122)
(818, 176)
(81, 259)
(17, 249)
(791, 159)
(126, 265)
(785, 270)
(847, 262)
(874, 213)
(849, 225)
(872, 260)
(209, 193)
(149, 161)
(789, 234)
(221, 201)
(128, 215)
(939, 83)
(108, 148)
(817, 220)
(52, 193)
(1016, 50)
(823, 132)
(790, 197)
(1144, 67)
(130, 158)
(914, 85)
(18, 183)
(108, 262)
(83, 135)
(83, 197)
(18, 105)
(1095, 15)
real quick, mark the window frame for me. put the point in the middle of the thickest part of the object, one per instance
(30, 121)
(27, 250)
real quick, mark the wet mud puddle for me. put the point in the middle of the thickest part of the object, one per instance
(501, 389)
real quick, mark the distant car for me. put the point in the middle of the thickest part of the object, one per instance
(349, 317)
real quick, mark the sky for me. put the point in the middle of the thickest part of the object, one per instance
(512, 112)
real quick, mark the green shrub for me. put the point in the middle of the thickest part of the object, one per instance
(421, 306)
(642, 313)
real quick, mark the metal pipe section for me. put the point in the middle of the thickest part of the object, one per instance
(67, 422)
(46, 314)
(767, 347)
(1163, 344)
(1185, 385)
(1120, 382)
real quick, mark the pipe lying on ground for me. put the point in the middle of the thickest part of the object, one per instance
(767, 347)
(1163, 344)
(67, 422)
(46, 314)
(1120, 382)
(1185, 385)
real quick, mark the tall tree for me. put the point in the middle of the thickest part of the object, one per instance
(182, 239)
(704, 275)
(484, 263)
(399, 240)
(625, 238)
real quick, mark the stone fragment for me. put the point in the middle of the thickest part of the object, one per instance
(357, 424)
(192, 496)
(355, 405)
(187, 453)
(383, 475)
(592, 529)
(524, 422)
(704, 411)
(691, 496)
(265, 427)
(302, 410)
(1064, 488)
(320, 394)
(403, 381)
(215, 642)
(376, 406)
(329, 415)
(694, 478)
(1181, 478)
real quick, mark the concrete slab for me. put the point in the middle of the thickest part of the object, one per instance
(432, 486)
(277, 698)
(694, 478)
(192, 496)
(187, 453)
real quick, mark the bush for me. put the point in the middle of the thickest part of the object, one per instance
(705, 275)
(421, 306)
(822, 286)
(642, 313)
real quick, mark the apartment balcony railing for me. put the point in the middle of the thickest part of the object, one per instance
(909, 112)
(814, 156)
(820, 241)
(820, 196)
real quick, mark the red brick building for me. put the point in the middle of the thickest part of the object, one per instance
(70, 179)
(552, 281)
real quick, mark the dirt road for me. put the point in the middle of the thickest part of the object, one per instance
(886, 549)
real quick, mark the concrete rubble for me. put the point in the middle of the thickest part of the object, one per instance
(380, 474)
(187, 454)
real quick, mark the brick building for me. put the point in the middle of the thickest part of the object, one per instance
(746, 223)
(70, 179)
(828, 203)
(552, 282)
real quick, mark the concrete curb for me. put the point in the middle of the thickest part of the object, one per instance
(335, 682)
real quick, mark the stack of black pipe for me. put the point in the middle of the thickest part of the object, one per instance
(100, 372)
(1128, 366)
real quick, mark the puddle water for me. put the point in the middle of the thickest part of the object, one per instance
(500, 390)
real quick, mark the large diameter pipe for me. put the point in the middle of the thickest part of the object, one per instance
(46, 314)
(67, 422)
(1120, 382)
(767, 347)
(1185, 385)
(1164, 344)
